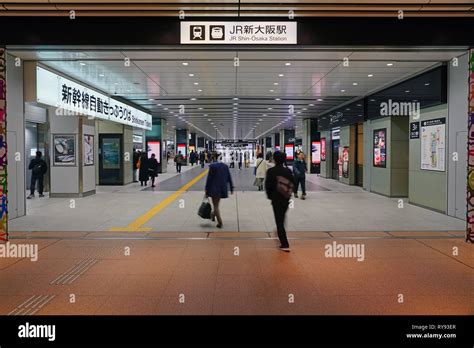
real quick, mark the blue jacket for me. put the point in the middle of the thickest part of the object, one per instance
(217, 181)
(299, 168)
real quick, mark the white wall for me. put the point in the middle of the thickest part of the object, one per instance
(15, 140)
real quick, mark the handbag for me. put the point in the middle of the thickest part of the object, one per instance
(205, 209)
(255, 170)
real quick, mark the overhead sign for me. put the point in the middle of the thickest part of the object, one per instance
(55, 90)
(415, 130)
(247, 33)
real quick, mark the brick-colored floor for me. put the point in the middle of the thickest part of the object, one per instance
(260, 280)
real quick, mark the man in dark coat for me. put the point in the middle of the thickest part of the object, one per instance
(38, 169)
(202, 158)
(279, 187)
(153, 169)
(217, 186)
(143, 174)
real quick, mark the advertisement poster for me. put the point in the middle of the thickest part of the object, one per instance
(153, 147)
(277, 147)
(339, 161)
(88, 150)
(64, 149)
(433, 144)
(182, 148)
(323, 149)
(315, 152)
(111, 153)
(289, 152)
(380, 148)
(345, 162)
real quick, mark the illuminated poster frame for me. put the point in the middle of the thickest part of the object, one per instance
(154, 146)
(323, 149)
(289, 152)
(316, 152)
(379, 142)
(184, 151)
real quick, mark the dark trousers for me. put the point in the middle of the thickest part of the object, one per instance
(300, 180)
(178, 167)
(33, 183)
(279, 210)
(152, 180)
(240, 165)
(202, 164)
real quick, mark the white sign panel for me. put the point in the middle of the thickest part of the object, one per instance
(234, 33)
(433, 144)
(76, 99)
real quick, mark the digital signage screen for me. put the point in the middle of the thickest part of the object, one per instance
(316, 152)
(182, 148)
(380, 148)
(153, 147)
(323, 149)
(289, 152)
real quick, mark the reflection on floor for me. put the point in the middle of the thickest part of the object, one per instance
(330, 206)
(398, 276)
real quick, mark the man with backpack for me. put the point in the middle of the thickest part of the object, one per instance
(279, 188)
(178, 159)
(38, 169)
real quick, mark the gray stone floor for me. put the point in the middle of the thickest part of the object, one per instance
(330, 206)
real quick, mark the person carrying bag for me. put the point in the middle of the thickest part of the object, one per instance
(260, 172)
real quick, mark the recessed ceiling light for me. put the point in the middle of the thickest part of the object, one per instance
(281, 75)
(151, 99)
(193, 99)
(196, 83)
(354, 83)
(343, 90)
(407, 91)
(82, 63)
(427, 84)
(270, 109)
(264, 115)
(185, 63)
(235, 108)
(209, 119)
(389, 64)
(212, 122)
(171, 112)
(275, 83)
(101, 75)
(304, 109)
(166, 108)
(191, 75)
(370, 75)
(298, 112)
(372, 100)
(277, 99)
(199, 90)
(158, 104)
(235, 98)
(320, 99)
(236, 103)
(272, 90)
(199, 108)
(347, 109)
(310, 104)
(288, 64)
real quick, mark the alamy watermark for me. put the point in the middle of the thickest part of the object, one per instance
(28, 251)
(343, 250)
(394, 108)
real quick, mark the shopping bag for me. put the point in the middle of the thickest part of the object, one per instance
(205, 209)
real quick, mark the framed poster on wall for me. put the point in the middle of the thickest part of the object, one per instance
(433, 144)
(380, 148)
(64, 149)
(345, 162)
(289, 152)
(323, 149)
(154, 147)
(88, 150)
(316, 152)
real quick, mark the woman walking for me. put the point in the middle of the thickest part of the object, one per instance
(260, 171)
(217, 186)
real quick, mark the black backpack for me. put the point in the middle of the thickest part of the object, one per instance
(38, 169)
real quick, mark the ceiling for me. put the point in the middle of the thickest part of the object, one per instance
(204, 91)
(244, 8)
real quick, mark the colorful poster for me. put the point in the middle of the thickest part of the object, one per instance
(340, 161)
(154, 147)
(111, 153)
(88, 150)
(433, 144)
(345, 162)
(316, 152)
(470, 152)
(64, 149)
(380, 148)
(323, 149)
(3, 149)
(289, 152)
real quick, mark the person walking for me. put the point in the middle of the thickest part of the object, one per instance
(232, 160)
(136, 158)
(246, 157)
(152, 169)
(178, 159)
(143, 174)
(202, 159)
(260, 171)
(192, 158)
(239, 157)
(38, 169)
(218, 183)
(299, 171)
(279, 187)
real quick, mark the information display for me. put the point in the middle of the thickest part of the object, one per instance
(316, 152)
(154, 147)
(182, 148)
(323, 149)
(433, 144)
(289, 152)
(380, 148)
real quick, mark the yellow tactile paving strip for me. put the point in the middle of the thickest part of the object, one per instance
(244, 276)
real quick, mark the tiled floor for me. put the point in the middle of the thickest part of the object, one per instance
(243, 276)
